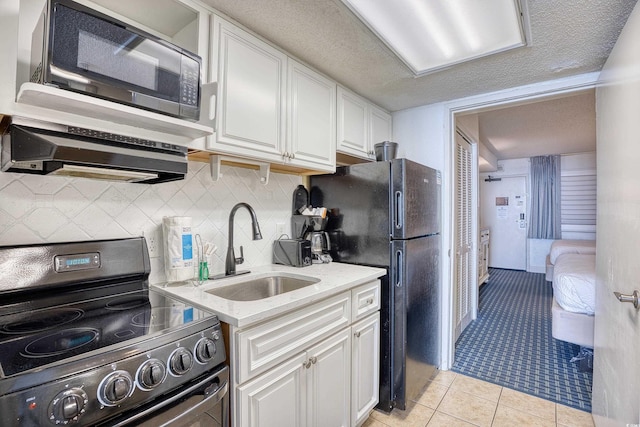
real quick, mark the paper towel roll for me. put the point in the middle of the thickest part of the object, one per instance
(178, 248)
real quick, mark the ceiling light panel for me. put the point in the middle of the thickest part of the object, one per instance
(432, 34)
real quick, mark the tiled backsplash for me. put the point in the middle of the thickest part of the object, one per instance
(38, 209)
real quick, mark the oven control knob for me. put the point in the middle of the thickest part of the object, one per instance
(114, 388)
(151, 374)
(205, 350)
(180, 361)
(67, 406)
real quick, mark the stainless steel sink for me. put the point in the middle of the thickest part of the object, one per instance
(262, 287)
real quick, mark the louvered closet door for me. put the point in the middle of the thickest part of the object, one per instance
(463, 266)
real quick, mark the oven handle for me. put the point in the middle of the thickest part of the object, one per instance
(217, 394)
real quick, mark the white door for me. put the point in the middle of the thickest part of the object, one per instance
(365, 368)
(504, 210)
(380, 123)
(616, 370)
(251, 94)
(353, 136)
(329, 381)
(311, 126)
(278, 398)
(464, 271)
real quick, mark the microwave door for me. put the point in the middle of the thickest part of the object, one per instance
(98, 56)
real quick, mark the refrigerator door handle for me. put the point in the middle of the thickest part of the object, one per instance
(399, 208)
(399, 260)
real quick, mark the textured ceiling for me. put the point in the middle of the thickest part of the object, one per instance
(567, 38)
(557, 126)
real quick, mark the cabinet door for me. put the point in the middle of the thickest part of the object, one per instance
(276, 399)
(353, 124)
(311, 130)
(379, 125)
(328, 387)
(251, 94)
(365, 368)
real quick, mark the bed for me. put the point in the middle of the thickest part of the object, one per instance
(559, 247)
(573, 307)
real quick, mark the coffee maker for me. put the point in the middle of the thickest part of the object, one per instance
(319, 238)
(310, 227)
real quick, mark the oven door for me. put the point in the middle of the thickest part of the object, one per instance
(203, 403)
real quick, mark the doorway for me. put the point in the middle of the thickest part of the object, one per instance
(453, 110)
(503, 209)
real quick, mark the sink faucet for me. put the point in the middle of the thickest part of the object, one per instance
(231, 261)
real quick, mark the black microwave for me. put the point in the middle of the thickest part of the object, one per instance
(80, 49)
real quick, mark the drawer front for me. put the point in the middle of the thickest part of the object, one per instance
(270, 343)
(365, 300)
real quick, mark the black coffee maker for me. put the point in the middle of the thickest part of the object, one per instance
(310, 227)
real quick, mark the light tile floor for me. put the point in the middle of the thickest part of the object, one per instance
(455, 400)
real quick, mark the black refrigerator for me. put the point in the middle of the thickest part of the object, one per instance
(387, 214)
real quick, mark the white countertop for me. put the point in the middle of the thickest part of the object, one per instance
(334, 278)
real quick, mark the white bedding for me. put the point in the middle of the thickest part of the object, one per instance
(559, 247)
(574, 283)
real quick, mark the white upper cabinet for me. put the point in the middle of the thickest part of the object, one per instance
(251, 102)
(269, 107)
(353, 129)
(379, 125)
(361, 125)
(311, 114)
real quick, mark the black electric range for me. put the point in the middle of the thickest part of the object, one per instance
(84, 340)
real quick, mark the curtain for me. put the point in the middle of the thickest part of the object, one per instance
(545, 198)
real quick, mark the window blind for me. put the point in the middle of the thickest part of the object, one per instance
(578, 199)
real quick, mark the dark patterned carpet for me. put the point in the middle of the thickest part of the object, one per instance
(510, 343)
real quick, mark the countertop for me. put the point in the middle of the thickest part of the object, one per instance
(334, 278)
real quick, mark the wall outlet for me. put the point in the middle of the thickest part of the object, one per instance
(153, 244)
(279, 229)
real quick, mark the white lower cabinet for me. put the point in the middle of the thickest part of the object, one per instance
(365, 369)
(317, 366)
(276, 398)
(311, 389)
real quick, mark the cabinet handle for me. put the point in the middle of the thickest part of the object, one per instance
(368, 301)
(306, 364)
(313, 359)
(357, 334)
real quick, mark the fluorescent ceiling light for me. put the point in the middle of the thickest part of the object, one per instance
(428, 35)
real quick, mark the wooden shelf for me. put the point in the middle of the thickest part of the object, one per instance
(95, 108)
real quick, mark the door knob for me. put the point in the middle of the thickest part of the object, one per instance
(633, 298)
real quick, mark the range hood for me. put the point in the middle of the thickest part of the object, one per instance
(91, 154)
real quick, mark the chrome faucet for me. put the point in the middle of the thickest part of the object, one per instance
(232, 261)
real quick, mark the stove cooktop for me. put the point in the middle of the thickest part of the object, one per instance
(35, 338)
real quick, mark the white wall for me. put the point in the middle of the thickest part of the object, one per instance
(39, 209)
(418, 132)
(616, 374)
